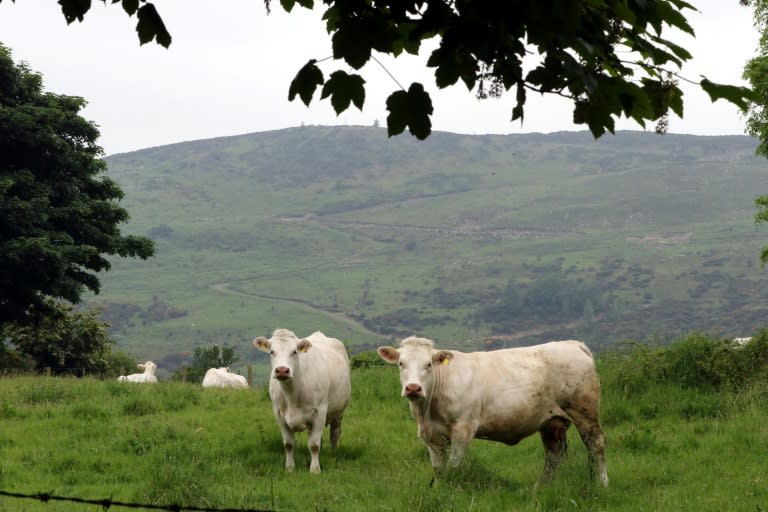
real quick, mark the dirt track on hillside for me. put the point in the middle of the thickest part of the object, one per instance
(335, 315)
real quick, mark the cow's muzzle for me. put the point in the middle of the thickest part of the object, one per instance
(412, 391)
(282, 373)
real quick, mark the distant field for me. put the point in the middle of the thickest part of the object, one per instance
(466, 239)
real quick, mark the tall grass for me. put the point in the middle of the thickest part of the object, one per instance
(675, 442)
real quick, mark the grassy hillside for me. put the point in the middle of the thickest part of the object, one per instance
(681, 435)
(476, 241)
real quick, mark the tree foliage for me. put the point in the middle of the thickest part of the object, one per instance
(65, 341)
(205, 358)
(59, 218)
(611, 58)
(756, 73)
(756, 113)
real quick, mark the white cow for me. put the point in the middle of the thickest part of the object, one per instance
(223, 378)
(740, 343)
(502, 395)
(147, 377)
(309, 388)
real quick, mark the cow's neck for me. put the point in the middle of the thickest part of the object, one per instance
(424, 411)
(292, 391)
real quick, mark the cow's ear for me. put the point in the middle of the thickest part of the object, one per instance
(389, 354)
(262, 344)
(442, 357)
(303, 345)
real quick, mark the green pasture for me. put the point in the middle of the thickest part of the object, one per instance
(684, 430)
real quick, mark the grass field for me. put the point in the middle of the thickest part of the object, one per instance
(683, 433)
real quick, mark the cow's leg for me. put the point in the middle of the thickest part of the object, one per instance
(437, 457)
(315, 439)
(592, 435)
(461, 435)
(289, 440)
(553, 436)
(335, 432)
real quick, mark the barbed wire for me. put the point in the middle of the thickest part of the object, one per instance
(107, 503)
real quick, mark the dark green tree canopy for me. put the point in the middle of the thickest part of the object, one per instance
(611, 58)
(58, 217)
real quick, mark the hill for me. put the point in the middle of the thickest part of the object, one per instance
(475, 241)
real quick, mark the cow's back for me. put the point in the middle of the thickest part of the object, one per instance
(514, 390)
(335, 363)
(212, 378)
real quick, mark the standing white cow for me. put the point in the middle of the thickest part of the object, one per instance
(310, 388)
(223, 378)
(502, 395)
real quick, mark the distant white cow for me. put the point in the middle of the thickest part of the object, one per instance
(502, 395)
(310, 388)
(739, 343)
(223, 378)
(147, 377)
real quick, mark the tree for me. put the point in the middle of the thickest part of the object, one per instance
(58, 217)
(204, 358)
(756, 73)
(611, 58)
(65, 341)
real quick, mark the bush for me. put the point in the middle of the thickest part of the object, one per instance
(366, 359)
(65, 342)
(696, 361)
(118, 363)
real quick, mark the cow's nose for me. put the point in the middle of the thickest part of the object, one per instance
(282, 372)
(412, 390)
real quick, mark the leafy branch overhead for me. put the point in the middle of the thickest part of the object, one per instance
(611, 58)
(150, 25)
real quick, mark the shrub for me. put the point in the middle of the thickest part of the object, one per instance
(695, 361)
(366, 359)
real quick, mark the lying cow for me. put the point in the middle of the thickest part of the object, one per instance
(147, 377)
(223, 378)
(740, 343)
(309, 388)
(503, 395)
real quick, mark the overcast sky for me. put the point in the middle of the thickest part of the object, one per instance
(228, 70)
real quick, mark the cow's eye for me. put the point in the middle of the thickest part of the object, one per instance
(271, 352)
(294, 352)
(402, 364)
(429, 365)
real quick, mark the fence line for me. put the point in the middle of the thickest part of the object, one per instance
(109, 502)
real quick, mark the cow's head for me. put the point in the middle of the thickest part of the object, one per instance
(148, 367)
(284, 349)
(416, 358)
